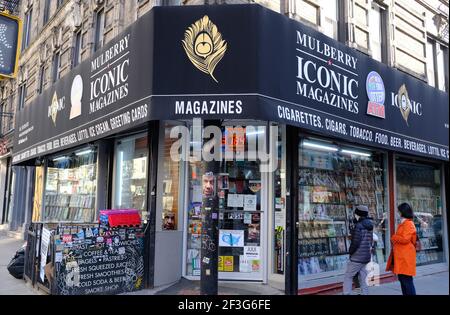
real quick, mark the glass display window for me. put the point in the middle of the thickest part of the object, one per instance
(333, 180)
(131, 173)
(171, 184)
(239, 188)
(419, 185)
(71, 187)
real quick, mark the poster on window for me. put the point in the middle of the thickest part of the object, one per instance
(252, 252)
(244, 264)
(250, 202)
(228, 263)
(231, 238)
(235, 201)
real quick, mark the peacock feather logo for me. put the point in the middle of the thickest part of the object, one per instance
(204, 45)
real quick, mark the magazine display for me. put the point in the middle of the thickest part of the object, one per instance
(424, 198)
(70, 194)
(238, 189)
(330, 187)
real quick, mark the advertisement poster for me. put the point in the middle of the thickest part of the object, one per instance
(228, 263)
(44, 249)
(247, 218)
(244, 264)
(279, 219)
(252, 252)
(254, 185)
(235, 201)
(253, 232)
(231, 238)
(223, 181)
(250, 202)
(256, 265)
(220, 264)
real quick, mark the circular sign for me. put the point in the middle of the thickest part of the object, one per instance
(375, 88)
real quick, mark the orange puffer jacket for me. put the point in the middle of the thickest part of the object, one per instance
(402, 260)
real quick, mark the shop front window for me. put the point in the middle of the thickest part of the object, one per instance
(333, 180)
(279, 219)
(171, 182)
(71, 185)
(239, 188)
(130, 184)
(419, 185)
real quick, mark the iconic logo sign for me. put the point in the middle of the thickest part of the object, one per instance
(75, 97)
(53, 111)
(376, 94)
(405, 103)
(204, 46)
(56, 106)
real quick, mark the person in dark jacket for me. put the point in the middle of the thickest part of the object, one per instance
(360, 250)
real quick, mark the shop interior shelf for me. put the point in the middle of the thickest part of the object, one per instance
(320, 255)
(429, 248)
(321, 237)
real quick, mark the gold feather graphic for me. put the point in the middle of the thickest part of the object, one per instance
(204, 46)
(403, 99)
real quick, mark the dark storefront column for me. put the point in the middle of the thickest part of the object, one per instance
(149, 243)
(291, 283)
(210, 229)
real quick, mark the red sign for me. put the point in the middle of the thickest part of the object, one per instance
(376, 109)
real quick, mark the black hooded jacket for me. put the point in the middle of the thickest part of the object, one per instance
(361, 244)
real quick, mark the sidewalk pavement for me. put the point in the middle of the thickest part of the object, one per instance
(433, 284)
(8, 284)
(429, 284)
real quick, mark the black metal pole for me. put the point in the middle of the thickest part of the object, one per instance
(292, 141)
(210, 224)
(149, 236)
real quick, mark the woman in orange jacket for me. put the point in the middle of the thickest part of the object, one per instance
(402, 260)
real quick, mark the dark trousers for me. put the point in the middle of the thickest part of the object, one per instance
(407, 285)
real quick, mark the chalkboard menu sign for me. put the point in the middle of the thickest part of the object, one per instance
(99, 261)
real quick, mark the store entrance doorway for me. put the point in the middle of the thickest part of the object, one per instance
(241, 189)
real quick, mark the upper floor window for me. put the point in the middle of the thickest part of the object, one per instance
(41, 79)
(99, 29)
(22, 96)
(437, 65)
(27, 28)
(378, 32)
(56, 65)
(46, 11)
(77, 49)
(3, 118)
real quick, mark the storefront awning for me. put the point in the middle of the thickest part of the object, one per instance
(234, 62)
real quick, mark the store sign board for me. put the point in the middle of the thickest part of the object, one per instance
(251, 63)
(100, 265)
(278, 69)
(106, 94)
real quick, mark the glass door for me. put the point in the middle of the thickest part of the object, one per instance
(241, 192)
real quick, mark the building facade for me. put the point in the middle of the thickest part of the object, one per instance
(294, 238)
